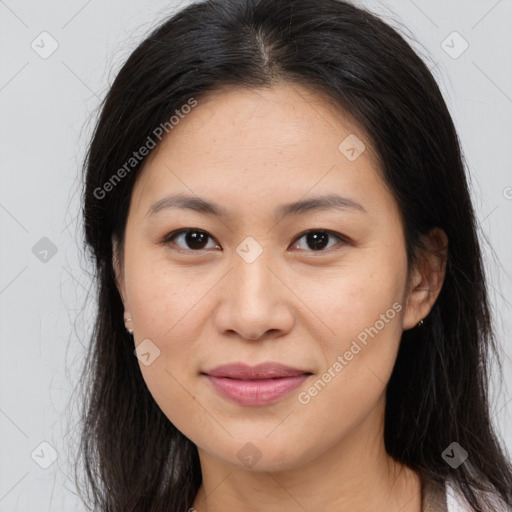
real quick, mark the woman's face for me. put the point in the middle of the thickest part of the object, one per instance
(248, 285)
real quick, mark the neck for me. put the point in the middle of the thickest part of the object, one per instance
(356, 474)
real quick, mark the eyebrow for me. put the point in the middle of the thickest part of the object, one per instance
(198, 204)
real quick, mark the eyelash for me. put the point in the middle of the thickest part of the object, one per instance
(168, 239)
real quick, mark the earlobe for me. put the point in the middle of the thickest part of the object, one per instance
(427, 279)
(128, 322)
(419, 302)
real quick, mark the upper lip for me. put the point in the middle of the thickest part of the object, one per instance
(267, 370)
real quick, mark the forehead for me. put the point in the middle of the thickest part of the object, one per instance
(277, 117)
(261, 143)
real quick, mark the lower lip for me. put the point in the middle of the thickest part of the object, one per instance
(256, 392)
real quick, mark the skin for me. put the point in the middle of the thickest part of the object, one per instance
(251, 150)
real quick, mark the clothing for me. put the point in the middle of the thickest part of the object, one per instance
(446, 498)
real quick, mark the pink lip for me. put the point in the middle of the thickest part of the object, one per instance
(255, 385)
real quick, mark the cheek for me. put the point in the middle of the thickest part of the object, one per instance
(363, 310)
(167, 307)
(170, 319)
(162, 298)
(364, 315)
(364, 347)
(359, 300)
(164, 310)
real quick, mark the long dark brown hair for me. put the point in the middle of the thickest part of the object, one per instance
(134, 458)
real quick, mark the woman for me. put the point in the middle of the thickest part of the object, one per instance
(292, 306)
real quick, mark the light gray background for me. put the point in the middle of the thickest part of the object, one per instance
(45, 309)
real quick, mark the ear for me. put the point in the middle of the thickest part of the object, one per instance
(117, 265)
(426, 278)
(118, 269)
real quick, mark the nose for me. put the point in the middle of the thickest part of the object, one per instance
(253, 301)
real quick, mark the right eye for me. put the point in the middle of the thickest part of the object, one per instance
(194, 240)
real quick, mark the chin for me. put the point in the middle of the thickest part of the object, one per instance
(263, 455)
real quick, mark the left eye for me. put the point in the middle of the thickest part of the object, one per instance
(195, 239)
(318, 239)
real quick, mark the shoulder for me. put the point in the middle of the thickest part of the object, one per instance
(456, 501)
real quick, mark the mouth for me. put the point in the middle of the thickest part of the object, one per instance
(263, 384)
